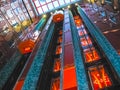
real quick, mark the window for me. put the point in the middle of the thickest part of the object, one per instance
(42, 2)
(10, 15)
(50, 5)
(48, 1)
(40, 10)
(37, 3)
(67, 1)
(56, 3)
(61, 2)
(45, 8)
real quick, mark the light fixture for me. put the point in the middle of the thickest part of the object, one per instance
(63, 9)
(56, 11)
(76, 4)
(68, 6)
(95, 0)
(51, 13)
(44, 16)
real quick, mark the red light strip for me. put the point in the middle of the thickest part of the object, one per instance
(55, 84)
(99, 78)
(57, 65)
(92, 56)
(59, 40)
(58, 50)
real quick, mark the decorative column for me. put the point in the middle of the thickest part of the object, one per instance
(79, 64)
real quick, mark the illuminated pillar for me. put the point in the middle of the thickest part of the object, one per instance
(82, 83)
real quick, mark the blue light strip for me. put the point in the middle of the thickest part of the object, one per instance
(35, 70)
(80, 69)
(109, 51)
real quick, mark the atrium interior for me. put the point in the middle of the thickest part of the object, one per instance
(59, 45)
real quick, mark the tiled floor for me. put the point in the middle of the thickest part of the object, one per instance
(108, 28)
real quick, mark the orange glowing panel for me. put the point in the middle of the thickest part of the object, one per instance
(60, 32)
(58, 18)
(59, 39)
(27, 49)
(55, 84)
(58, 50)
(86, 41)
(77, 20)
(76, 17)
(92, 56)
(99, 78)
(57, 65)
(26, 46)
(69, 78)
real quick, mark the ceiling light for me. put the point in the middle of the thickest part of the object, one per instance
(51, 13)
(55, 10)
(76, 4)
(44, 16)
(68, 6)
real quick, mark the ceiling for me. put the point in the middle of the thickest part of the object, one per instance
(44, 6)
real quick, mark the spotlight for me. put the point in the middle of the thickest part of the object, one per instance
(44, 16)
(76, 4)
(56, 11)
(68, 6)
(51, 13)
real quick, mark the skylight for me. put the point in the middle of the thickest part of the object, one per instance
(44, 6)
